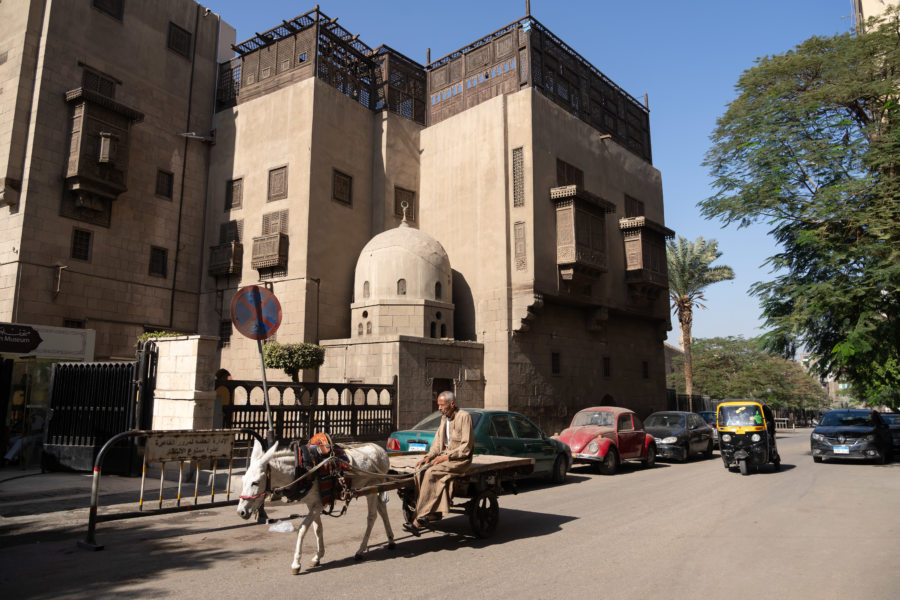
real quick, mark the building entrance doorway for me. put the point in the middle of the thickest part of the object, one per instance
(438, 386)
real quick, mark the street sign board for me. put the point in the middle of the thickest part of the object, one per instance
(255, 312)
(20, 339)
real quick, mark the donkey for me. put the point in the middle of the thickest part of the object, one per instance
(273, 469)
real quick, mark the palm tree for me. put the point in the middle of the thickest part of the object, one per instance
(689, 275)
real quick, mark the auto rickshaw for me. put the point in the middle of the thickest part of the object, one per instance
(746, 435)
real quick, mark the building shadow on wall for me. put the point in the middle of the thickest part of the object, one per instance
(463, 309)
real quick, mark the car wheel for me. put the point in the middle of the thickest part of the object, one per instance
(687, 452)
(817, 459)
(559, 470)
(709, 450)
(651, 457)
(610, 462)
(882, 460)
(777, 464)
(745, 469)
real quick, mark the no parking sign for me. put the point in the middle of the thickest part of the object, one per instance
(255, 312)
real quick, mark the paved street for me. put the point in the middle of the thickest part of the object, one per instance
(675, 531)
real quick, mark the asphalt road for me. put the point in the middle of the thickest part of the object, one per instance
(676, 531)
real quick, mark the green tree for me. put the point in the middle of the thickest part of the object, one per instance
(689, 274)
(293, 358)
(734, 367)
(810, 147)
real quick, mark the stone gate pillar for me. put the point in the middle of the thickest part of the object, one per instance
(185, 377)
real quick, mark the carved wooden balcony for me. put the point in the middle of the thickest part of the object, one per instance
(580, 232)
(270, 251)
(645, 253)
(226, 259)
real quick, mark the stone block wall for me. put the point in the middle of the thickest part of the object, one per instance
(184, 397)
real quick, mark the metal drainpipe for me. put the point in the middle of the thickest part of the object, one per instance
(187, 127)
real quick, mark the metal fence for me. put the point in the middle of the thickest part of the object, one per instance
(346, 411)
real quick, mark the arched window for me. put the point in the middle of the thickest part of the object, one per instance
(359, 329)
(365, 289)
(401, 287)
(369, 328)
(443, 330)
(437, 290)
(433, 329)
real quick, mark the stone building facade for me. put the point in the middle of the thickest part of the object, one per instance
(528, 167)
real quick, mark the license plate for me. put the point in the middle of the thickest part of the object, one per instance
(842, 449)
(417, 447)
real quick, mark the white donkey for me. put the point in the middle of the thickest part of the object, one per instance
(273, 469)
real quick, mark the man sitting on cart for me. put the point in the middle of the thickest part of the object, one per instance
(450, 454)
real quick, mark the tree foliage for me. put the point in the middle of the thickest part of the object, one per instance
(811, 146)
(689, 274)
(293, 358)
(733, 367)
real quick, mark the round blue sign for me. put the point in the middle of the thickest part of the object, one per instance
(255, 312)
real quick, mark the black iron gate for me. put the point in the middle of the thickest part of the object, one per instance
(92, 402)
(348, 412)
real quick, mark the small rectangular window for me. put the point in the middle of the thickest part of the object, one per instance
(567, 174)
(633, 207)
(409, 197)
(73, 323)
(114, 8)
(645, 369)
(234, 194)
(278, 184)
(81, 244)
(225, 330)
(164, 184)
(179, 40)
(97, 82)
(555, 367)
(607, 366)
(342, 188)
(159, 258)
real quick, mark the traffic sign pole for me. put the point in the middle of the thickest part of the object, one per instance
(270, 432)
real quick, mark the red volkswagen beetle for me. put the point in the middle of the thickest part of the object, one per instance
(607, 435)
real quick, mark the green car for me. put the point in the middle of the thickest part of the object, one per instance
(496, 432)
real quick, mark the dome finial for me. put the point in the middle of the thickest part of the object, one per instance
(404, 205)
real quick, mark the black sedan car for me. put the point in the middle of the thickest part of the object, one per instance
(851, 433)
(679, 434)
(893, 421)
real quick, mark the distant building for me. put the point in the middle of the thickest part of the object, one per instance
(865, 9)
(149, 173)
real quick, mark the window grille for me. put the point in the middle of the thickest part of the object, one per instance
(159, 258)
(518, 158)
(277, 184)
(164, 184)
(179, 40)
(113, 8)
(81, 244)
(342, 188)
(400, 196)
(225, 330)
(97, 82)
(234, 194)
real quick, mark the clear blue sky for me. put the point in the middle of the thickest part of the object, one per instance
(686, 56)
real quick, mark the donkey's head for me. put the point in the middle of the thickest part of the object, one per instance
(256, 483)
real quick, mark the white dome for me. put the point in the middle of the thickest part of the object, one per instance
(403, 258)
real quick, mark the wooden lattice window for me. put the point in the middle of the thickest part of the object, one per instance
(278, 184)
(234, 194)
(97, 82)
(567, 174)
(275, 222)
(633, 207)
(114, 8)
(159, 259)
(273, 272)
(402, 195)
(518, 167)
(164, 184)
(342, 187)
(232, 231)
(81, 244)
(179, 40)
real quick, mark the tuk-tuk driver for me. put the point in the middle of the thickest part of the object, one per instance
(450, 454)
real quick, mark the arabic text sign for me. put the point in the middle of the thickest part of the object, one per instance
(165, 446)
(18, 338)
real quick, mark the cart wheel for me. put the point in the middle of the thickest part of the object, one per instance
(484, 514)
(745, 470)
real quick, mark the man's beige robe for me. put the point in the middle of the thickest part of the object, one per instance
(434, 482)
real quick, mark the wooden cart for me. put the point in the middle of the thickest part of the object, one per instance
(474, 492)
